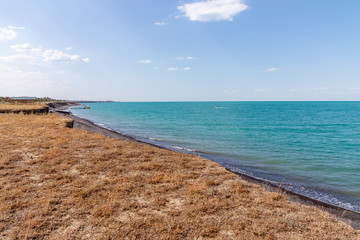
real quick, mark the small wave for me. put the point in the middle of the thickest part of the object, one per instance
(100, 124)
(316, 194)
(103, 126)
(183, 149)
(156, 139)
(336, 202)
(280, 184)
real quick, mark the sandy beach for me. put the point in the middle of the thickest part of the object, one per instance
(63, 183)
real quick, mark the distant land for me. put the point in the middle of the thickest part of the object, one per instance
(92, 101)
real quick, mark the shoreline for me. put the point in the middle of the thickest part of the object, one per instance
(345, 215)
(61, 182)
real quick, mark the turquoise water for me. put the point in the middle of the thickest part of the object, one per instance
(312, 148)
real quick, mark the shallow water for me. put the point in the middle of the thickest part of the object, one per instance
(312, 148)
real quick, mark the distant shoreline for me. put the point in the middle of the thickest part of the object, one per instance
(348, 216)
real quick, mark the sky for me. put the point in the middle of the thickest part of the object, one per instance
(181, 50)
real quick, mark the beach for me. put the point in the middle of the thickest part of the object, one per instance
(294, 145)
(196, 119)
(344, 214)
(59, 183)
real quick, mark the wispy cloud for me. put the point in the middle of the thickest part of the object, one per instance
(161, 23)
(319, 89)
(14, 73)
(9, 32)
(26, 48)
(15, 81)
(230, 92)
(293, 90)
(185, 58)
(172, 69)
(31, 55)
(143, 61)
(272, 69)
(186, 68)
(61, 72)
(68, 48)
(57, 55)
(212, 10)
(156, 68)
(20, 58)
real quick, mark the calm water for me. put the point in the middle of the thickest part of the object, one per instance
(312, 148)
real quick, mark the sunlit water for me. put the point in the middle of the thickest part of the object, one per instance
(312, 148)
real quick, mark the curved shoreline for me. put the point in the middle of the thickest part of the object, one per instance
(345, 215)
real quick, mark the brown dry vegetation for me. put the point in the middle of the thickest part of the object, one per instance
(27, 106)
(61, 183)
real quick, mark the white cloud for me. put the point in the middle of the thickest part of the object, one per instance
(30, 55)
(212, 10)
(69, 48)
(187, 68)
(9, 32)
(57, 55)
(21, 47)
(172, 69)
(26, 48)
(161, 23)
(145, 61)
(272, 69)
(185, 58)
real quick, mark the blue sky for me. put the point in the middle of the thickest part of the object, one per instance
(186, 50)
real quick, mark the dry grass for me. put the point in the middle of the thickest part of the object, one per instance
(60, 183)
(26, 106)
